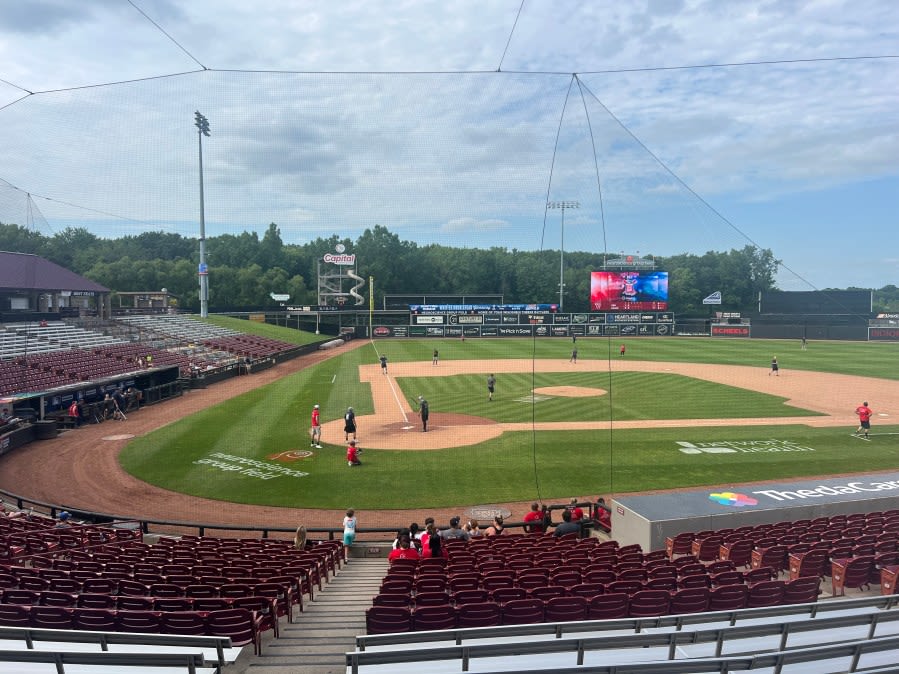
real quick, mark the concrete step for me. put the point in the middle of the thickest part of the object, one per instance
(319, 637)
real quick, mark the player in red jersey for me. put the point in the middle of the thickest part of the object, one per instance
(352, 454)
(315, 430)
(864, 419)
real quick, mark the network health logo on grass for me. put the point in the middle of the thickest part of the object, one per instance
(733, 499)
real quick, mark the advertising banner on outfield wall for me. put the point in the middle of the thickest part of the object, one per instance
(466, 319)
(730, 331)
(516, 331)
(883, 334)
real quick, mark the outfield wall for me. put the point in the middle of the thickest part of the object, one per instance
(403, 324)
(530, 324)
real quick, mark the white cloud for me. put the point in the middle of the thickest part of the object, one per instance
(442, 157)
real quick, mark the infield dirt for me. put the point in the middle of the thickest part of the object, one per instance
(80, 470)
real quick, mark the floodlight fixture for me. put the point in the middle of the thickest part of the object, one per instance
(202, 125)
(562, 205)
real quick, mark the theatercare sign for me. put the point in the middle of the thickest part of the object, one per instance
(809, 493)
(853, 488)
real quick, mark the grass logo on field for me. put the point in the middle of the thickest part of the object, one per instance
(730, 498)
(290, 455)
(741, 446)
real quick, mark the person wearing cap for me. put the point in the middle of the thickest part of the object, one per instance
(349, 423)
(424, 412)
(63, 520)
(454, 531)
(576, 513)
(316, 429)
(352, 454)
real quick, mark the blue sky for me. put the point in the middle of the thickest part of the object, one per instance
(328, 118)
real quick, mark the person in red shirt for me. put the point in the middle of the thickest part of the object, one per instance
(352, 454)
(404, 551)
(576, 513)
(432, 544)
(621, 350)
(864, 419)
(603, 516)
(533, 521)
(315, 431)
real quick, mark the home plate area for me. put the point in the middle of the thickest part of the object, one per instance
(444, 430)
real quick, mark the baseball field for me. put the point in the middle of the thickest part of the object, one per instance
(672, 412)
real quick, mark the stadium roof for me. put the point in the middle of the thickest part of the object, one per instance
(23, 271)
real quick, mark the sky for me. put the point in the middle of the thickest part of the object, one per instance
(677, 126)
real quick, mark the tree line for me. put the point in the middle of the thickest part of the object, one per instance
(245, 269)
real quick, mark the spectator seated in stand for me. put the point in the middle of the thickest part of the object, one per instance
(566, 526)
(576, 513)
(533, 521)
(404, 550)
(603, 515)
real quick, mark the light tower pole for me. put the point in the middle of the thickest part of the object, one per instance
(562, 205)
(202, 125)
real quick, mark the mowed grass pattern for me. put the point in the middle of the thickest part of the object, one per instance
(520, 465)
(624, 396)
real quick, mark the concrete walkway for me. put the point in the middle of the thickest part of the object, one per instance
(315, 643)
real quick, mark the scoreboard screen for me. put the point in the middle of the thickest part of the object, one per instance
(629, 291)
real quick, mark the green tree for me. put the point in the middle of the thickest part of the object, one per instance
(18, 239)
(271, 249)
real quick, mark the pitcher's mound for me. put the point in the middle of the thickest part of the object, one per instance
(570, 391)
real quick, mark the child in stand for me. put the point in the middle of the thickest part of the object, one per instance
(349, 532)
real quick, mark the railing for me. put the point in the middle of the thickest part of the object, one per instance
(202, 528)
(103, 640)
(183, 661)
(668, 647)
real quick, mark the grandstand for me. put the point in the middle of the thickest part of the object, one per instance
(517, 602)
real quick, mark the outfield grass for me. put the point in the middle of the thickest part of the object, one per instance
(518, 466)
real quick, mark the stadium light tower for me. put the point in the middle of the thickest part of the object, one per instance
(202, 125)
(562, 205)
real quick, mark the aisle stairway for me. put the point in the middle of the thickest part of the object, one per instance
(315, 643)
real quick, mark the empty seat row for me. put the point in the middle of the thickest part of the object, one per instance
(240, 624)
(646, 603)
